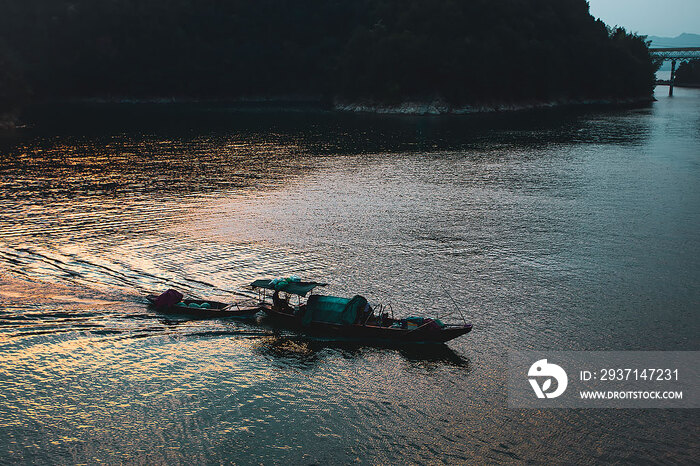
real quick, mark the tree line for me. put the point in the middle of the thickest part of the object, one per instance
(464, 52)
(688, 73)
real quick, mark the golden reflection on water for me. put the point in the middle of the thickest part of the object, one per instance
(91, 386)
(74, 210)
(15, 291)
(87, 366)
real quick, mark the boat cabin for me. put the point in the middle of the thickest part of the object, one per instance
(289, 296)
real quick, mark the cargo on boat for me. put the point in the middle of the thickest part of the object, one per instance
(172, 301)
(346, 317)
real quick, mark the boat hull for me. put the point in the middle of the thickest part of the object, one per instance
(216, 309)
(368, 332)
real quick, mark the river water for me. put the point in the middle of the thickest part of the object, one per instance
(568, 229)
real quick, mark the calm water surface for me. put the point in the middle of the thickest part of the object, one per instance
(564, 230)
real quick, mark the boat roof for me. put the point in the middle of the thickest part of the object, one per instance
(294, 287)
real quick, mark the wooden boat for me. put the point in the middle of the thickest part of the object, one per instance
(206, 308)
(347, 318)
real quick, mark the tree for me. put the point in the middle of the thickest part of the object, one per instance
(461, 52)
(688, 73)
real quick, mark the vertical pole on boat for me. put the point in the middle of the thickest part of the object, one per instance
(455, 303)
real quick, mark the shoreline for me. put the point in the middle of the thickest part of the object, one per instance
(440, 108)
(295, 102)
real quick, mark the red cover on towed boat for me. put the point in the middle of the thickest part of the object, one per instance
(168, 299)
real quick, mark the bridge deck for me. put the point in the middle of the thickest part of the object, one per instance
(676, 53)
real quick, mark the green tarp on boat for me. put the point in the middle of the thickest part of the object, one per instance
(333, 310)
(288, 286)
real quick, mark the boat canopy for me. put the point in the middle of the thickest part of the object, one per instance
(333, 310)
(288, 286)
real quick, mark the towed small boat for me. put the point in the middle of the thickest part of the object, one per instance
(172, 301)
(346, 317)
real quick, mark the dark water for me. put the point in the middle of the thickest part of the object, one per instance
(565, 230)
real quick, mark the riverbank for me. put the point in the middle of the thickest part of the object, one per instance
(306, 102)
(441, 108)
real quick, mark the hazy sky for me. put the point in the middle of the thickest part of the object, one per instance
(650, 17)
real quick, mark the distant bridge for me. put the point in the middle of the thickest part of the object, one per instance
(673, 55)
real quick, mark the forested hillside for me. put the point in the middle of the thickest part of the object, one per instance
(463, 52)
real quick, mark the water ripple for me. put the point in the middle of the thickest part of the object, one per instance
(550, 230)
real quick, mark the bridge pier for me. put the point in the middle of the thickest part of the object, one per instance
(674, 54)
(673, 78)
